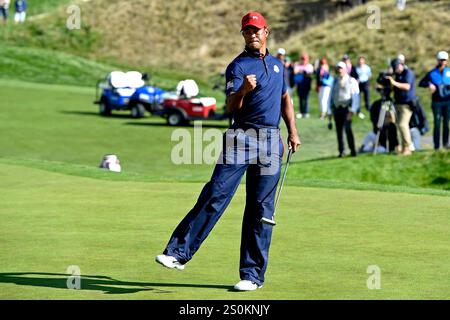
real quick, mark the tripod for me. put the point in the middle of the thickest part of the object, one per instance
(386, 106)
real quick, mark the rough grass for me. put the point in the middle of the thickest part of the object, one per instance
(417, 32)
(202, 36)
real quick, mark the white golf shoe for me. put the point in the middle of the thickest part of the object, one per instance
(246, 285)
(169, 262)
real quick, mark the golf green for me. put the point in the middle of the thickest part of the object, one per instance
(322, 247)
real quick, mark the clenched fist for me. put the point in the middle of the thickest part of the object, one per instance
(249, 83)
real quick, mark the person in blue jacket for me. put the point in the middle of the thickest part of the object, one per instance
(258, 99)
(438, 81)
(21, 9)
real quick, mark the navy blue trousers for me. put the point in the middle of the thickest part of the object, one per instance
(441, 113)
(261, 188)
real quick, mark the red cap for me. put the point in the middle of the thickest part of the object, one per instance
(253, 19)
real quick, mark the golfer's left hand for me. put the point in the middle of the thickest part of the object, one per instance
(294, 141)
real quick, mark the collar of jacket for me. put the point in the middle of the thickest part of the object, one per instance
(255, 53)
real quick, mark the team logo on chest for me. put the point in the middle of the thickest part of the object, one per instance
(276, 69)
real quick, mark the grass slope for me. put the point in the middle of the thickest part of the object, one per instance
(150, 36)
(113, 230)
(54, 67)
(47, 66)
(416, 32)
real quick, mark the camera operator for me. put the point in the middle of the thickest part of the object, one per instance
(388, 131)
(404, 100)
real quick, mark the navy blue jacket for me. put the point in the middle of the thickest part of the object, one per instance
(403, 96)
(21, 5)
(262, 106)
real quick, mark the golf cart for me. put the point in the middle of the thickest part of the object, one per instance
(128, 91)
(183, 105)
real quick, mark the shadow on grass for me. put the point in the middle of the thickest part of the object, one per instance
(185, 125)
(95, 283)
(96, 114)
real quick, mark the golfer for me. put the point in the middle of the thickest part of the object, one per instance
(257, 97)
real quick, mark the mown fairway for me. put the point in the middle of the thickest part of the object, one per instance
(57, 209)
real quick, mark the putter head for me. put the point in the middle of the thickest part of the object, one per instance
(268, 221)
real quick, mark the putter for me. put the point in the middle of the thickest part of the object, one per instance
(272, 221)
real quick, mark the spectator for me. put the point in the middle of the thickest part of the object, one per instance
(290, 72)
(352, 72)
(418, 125)
(302, 78)
(438, 81)
(344, 103)
(4, 10)
(21, 8)
(288, 69)
(364, 74)
(388, 134)
(324, 84)
(401, 4)
(281, 54)
(404, 99)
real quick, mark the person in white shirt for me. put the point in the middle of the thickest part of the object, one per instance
(344, 103)
(364, 74)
